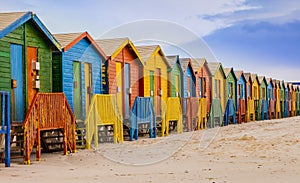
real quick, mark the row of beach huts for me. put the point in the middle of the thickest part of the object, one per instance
(67, 91)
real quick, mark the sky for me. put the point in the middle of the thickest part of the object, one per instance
(258, 36)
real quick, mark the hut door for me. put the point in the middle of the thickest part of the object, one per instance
(158, 92)
(152, 86)
(16, 60)
(200, 87)
(31, 73)
(88, 85)
(188, 86)
(177, 85)
(127, 89)
(119, 86)
(77, 89)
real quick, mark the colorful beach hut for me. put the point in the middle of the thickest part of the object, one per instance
(26, 48)
(298, 100)
(271, 98)
(218, 81)
(285, 99)
(263, 97)
(203, 80)
(203, 89)
(294, 91)
(241, 96)
(123, 72)
(231, 99)
(190, 102)
(290, 98)
(77, 70)
(155, 76)
(175, 88)
(256, 96)
(250, 107)
(189, 79)
(277, 95)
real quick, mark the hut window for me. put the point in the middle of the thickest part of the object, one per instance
(217, 88)
(263, 93)
(240, 91)
(202, 87)
(230, 90)
(270, 93)
(188, 86)
(255, 93)
(249, 91)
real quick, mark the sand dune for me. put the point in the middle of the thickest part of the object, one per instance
(264, 151)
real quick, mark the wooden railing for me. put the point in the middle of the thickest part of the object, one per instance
(202, 114)
(242, 111)
(216, 114)
(48, 111)
(103, 111)
(278, 109)
(171, 112)
(250, 110)
(5, 123)
(272, 114)
(142, 113)
(229, 112)
(190, 113)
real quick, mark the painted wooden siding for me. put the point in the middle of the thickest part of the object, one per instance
(26, 35)
(255, 90)
(156, 61)
(263, 90)
(270, 91)
(242, 84)
(230, 79)
(219, 76)
(57, 72)
(189, 73)
(204, 73)
(126, 55)
(176, 72)
(82, 51)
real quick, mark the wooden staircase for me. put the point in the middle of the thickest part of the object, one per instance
(49, 124)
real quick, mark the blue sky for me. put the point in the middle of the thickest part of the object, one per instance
(259, 36)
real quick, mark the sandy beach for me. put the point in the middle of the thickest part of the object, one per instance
(263, 151)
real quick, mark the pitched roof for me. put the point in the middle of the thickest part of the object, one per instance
(238, 73)
(10, 21)
(214, 66)
(270, 80)
(247, 76)
(70, 39)
(185, 63)
(7, 19)
(227, 71)
(65, 39)
(172, 60)
(110, 46)
(261, 79)
(146, 51)
(198, 63)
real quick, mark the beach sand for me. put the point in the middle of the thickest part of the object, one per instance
(262, 151)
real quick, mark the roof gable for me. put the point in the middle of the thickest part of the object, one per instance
(240, 75)
(112, 47)
(147, 51)
(68, 40)
(214, 67)
(11, 21)
(173, 59)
